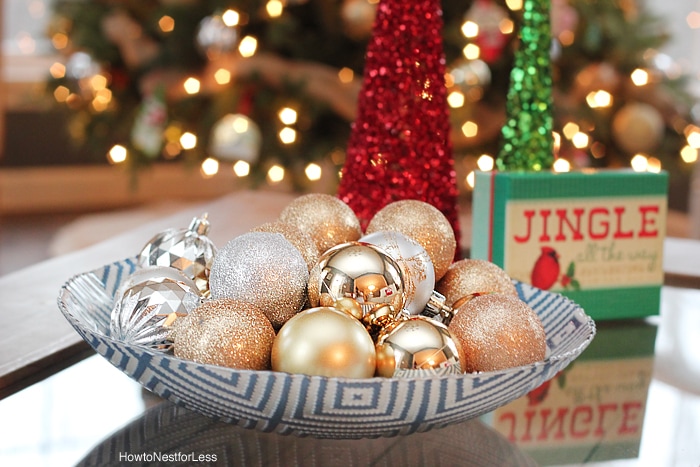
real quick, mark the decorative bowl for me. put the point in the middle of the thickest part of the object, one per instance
(321, 407)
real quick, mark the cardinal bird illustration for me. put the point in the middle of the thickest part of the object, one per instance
(546, 270)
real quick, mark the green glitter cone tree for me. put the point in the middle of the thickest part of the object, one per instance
(527, 141)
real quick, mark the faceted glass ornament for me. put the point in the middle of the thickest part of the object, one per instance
(189, 250)
(144, 312)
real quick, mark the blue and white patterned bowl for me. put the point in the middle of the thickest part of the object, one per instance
(318, 406)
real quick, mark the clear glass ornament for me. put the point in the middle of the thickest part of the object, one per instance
(189, 250)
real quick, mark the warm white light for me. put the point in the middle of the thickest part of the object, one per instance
(188, 140)
(640, 77)
(209, 167)
(274, 8)
(653, 165)
(470, 29)
(288, 116)
(470, 129)
(58, 70)
(61, 93)
(561, 165)
(231, 18)
(248, 46)
(288, 135)
(515, 5)
(570, 129)
(689, 155)
(469, 179)
(222, 76)
(485, 163)
(191, 85)
(455, 99)
(471, 51)
(694, 139)
(240, 124)
(580, 140)
(117, 154)
(275, 174)
(506, 26)
(98, 82)
(241, 168)
(313, 171)
(639, 163)
(599, 99)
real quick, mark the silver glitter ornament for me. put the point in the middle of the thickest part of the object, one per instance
(417, 347)
(189, 250)
(262, 268)
(144, 312)
(359, 271)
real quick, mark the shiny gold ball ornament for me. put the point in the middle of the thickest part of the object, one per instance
(324, 341)
(300, 240)
(225, 332)
(469, 276)
(425, 224)
(327, 219)
(262, 268)
(498, 331)
(417, 347)
(359, 271)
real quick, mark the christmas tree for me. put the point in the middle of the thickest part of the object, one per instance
(271, 86)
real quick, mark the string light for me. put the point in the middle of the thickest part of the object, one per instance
(580, 140)
(639, 77)
(514, 5)
(274, 8)
(469, 180)
(561, 165)
(59, 41)
(241, 168)
(455, 99)
(222, 76)
(248, 46)
(639, 163)
(288, 116)
(57, 70)
(209, 167)
(470, 29)
(471, 51)
(346, 75)
(166, 24)
(313, 171)
(61, 93)
(570, 129)
(188, 140)
(599, 99)
(693, 137)
(275, 174)
(689, 154)
(470, 129)
(653, 165)
(192, 85)
(117, 154)
(231, 18)
(485, 163)
(287, 135)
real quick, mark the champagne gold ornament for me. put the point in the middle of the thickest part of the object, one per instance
(225, 332)
(359, 271)
(469, 276)
(417, 347)
(326, 342)
(262, 268)
(300, 240)
(349, 306)
(327, 219)
(498, 331)
(423, 223)
(419, 274)
(189, 250)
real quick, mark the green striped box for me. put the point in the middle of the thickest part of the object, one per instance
(594, 236)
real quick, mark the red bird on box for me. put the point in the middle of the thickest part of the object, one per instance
(546, 271)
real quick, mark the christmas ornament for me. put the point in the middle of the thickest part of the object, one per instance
(300, 240)
(469, 75)
(349, 306)
(236, 137)
(215, 37)
(225, 332)
(358, 17)
(527, 135)
(469, 276)
(417, 347)
(638, 127)
(418, 271)
(399, 146)
(325, 218)
(359, 271)
(488, 16)
(144, 311)
(423, 223)
(157, 273)
(496, 332)
(264, 269)
(326, 342)
(149, 124)
(189, 250)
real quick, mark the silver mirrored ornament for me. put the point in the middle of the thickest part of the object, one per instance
(189, 250)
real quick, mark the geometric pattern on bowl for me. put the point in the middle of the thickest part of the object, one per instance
(318, 406)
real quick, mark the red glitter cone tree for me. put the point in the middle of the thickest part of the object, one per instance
(399, 147)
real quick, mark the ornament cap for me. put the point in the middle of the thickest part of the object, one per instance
(200, 225)
(438, 310)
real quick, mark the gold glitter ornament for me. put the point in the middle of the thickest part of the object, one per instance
(262, 268)
(417, 347)
(425, 224)
(225, 332)
(324, 341)
(496, 332)
(469, 276)
(359, 271)
(300, 240)
(327, 219)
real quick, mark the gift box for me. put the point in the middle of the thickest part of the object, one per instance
(592, 411)
(595, 236)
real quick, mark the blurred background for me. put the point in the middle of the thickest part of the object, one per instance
(122, 110)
